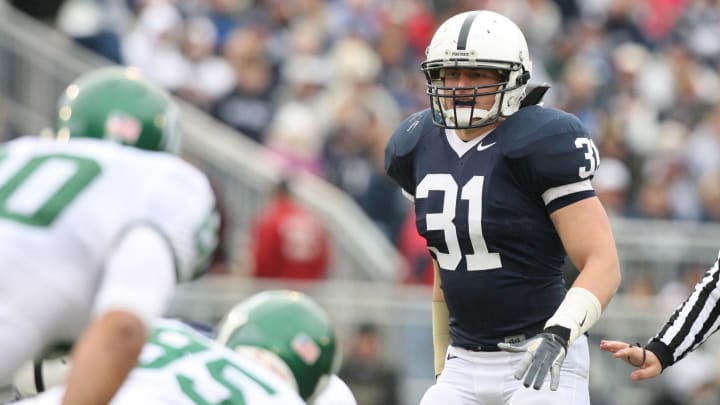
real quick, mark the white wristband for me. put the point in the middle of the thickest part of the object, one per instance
(579, 311)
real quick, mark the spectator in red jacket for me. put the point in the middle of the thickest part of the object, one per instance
(288, 240)
(414, 248)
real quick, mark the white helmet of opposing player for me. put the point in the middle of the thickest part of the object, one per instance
(476, 40)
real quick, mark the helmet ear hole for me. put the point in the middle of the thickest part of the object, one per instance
(523, 78)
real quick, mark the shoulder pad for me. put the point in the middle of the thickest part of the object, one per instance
(533, 126)
(549, 149)
(399, 150)
(194, 233)
(535, 95)
(408, 134)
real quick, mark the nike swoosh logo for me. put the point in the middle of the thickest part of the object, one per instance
(413, 126)
(583, 320)
(483, 147)
(450, 357)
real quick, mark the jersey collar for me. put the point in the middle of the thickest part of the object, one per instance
(461, 147)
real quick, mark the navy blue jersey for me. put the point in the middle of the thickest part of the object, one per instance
(485, 215)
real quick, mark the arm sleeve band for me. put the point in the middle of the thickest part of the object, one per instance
(662, 352)
(441, 333)
(579, 311)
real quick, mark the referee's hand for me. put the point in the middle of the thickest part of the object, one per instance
(648, 364)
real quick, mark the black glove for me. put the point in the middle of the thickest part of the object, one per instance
(544, 352)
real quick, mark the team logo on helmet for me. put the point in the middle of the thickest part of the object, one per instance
(306, 348)
(122, 127)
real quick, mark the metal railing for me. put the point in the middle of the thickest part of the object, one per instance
(36, 63)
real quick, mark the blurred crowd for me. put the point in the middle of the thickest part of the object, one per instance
(323, 83)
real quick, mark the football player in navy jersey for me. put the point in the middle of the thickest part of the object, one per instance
(502, 195)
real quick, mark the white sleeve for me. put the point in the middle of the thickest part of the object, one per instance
(336, 392)
(182, 204)
(139, 275)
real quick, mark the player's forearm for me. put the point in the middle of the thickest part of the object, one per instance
(601, 276)
(103, 357)
(441, 334)
(590, 294)
(440, 323)
(587, 237)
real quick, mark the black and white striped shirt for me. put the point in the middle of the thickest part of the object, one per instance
(692, 323)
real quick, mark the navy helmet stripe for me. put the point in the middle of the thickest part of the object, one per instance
(465, 30)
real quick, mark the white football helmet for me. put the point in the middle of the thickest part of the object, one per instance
(478, 40)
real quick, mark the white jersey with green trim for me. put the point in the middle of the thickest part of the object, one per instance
(179, 366)
(336, 392)
(63, 206)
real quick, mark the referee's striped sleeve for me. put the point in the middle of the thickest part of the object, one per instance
(692, 323)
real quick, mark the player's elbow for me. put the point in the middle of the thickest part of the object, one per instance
(125, 333)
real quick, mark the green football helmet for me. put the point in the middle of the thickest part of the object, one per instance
(290, 325)
(116, 103)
